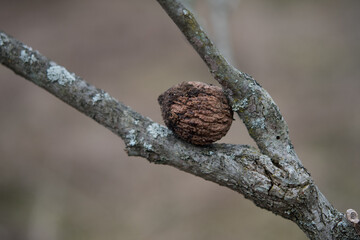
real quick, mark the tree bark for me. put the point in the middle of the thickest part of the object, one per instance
(271, 176)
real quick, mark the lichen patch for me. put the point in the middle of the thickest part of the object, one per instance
(156, 130)
(59, 74)
(131, 138)
(96, 98)
(26, 58)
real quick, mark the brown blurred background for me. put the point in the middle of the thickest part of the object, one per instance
(63, 176)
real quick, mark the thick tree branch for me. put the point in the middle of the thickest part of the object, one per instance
(254, 105)
(273, 178)
(265, 125)
(241, 168)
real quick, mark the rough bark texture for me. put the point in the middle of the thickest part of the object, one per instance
(196, 112)
(272, 177)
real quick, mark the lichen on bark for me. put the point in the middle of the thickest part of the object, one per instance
(271, 176)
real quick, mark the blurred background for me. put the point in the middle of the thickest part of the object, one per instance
(63, 176)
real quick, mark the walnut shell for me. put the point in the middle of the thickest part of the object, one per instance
(196, 112)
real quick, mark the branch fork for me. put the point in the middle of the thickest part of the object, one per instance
(271, 175)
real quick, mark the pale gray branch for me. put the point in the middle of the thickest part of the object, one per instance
(239, 167)
(273, 178)
(254, 105)
(265, 124)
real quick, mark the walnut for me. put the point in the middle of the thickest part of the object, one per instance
(196, 112)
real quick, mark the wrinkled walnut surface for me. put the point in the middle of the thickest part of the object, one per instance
(196, 112)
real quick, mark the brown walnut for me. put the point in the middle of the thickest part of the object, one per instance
(196, 112)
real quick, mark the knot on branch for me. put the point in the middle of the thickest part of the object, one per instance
(353, 217)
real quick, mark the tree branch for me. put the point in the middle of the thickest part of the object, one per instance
(273, 178)
(265, 125)
(254, 105)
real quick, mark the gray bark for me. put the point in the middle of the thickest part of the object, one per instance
(271, 176)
